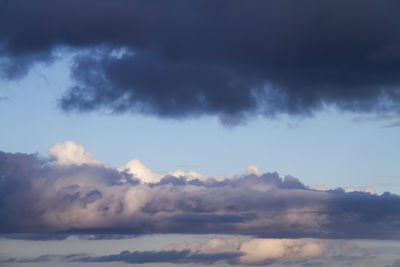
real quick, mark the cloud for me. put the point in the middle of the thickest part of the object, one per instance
(139, 170)
(384, 117)
(184, 256)
(394, 124)
(42, 196)
(258, 251)
(395, 264)
(68, 153)
(137, 257)
(364, 189)
(186, 59)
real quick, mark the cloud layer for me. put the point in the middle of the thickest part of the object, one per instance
(190, 58)
(258, 251)
(74, 193)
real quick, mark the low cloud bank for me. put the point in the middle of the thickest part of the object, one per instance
(74, 193)
(258, 251)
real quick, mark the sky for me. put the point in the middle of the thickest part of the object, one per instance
(199, 133)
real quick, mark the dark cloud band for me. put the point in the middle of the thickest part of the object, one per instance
(228, 58)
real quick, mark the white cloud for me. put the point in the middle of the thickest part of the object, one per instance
(364, 189)
(190, 175)
(69, 153)
(252, 169)
(259, 250)
(140, 171)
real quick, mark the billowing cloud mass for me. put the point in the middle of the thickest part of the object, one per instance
(228, 58)
(60, 195)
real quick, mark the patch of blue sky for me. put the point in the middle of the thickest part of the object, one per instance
(327, 149)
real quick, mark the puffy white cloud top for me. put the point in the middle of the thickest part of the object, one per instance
(68, 153)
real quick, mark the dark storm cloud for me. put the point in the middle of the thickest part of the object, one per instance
(42, 196)
(233, 59)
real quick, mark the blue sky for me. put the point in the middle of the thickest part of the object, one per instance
(328, 148)
(198, 133)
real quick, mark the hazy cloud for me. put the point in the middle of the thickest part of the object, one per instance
(190, 58)
(394, 124)
(395, 264)
(384, 117)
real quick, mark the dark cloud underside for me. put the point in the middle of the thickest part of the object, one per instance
(228, 58)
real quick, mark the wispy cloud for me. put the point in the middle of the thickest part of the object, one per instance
(394, 124)
(382, 117)
(379, 118)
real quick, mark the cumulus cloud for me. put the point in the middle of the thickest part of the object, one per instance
(136, 168)
(184, 59)
(253, 170)
(81, 195)
(139, 170)
(68, 153)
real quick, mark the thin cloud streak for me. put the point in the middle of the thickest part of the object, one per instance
(395, 124)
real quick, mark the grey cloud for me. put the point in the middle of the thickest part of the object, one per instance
(394, 118)
(395, 264)
(138, 257)
(305, 252)
(172, 256)
(225, 58)
(39, 196)
(394, 124)
(382, 117)
(64, 235)
(45, 258)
